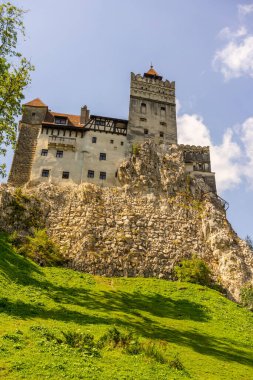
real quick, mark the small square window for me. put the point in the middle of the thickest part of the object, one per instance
(90, 174)
(33, 115)
(44, 152)
(161, 134)
(59, 153)
(163, 123)
(102, 175)
(122, 143)
(111, 141)
(102, 156)
(45, 173)
(94, 140)
(145, 131)
(60, 120)
(65, 175)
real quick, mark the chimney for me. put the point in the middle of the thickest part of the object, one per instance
(85, 114)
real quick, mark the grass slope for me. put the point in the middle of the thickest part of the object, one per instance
(211, 335)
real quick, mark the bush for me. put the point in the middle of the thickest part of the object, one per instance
(193, 270)
(115, 338)
(153, 352)
(41, 249)
(84, 342)
(135, 149)
(176, 364)
(247, 296)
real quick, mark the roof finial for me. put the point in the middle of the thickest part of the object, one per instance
(151, 65)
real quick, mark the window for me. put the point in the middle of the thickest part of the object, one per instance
(44, 152)
(161, 134)
(162, 123)
(90, 174)
(33, 115)
(60, 120)
(143, 108)
(45, 173)
(143, 119)
(65, 175)
(111, 141)
(102, 156)
(100, 122)
(59, 153)
(122, 143)
(94, 140)
(102, 175)
(145, 131)
(163, 110)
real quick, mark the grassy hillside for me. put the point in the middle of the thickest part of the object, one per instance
(49, 315)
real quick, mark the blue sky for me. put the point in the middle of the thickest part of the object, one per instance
(84, 51)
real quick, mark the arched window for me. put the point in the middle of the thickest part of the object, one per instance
(143, 108)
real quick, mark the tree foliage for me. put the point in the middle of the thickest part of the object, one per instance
(247, 296)
(193, 270)
(14, 75)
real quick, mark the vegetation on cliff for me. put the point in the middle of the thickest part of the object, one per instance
(56, 323)
(14, 75)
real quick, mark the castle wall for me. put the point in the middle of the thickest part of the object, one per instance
(79, 156)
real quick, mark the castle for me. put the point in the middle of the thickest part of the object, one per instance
(63, 148)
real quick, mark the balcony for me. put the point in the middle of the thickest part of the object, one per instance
(62, 142)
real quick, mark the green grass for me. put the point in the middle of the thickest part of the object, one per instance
(175, 323)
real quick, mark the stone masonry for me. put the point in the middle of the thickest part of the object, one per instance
(157, 217)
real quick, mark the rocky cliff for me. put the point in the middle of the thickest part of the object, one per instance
(157, 216)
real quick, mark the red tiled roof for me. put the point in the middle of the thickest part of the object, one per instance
(35, 103)
(73, 120)
(152, 71)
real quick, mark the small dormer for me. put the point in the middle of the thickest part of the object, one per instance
(62, 120)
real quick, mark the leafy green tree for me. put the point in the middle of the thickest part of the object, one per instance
(14, 75)
(193, 270)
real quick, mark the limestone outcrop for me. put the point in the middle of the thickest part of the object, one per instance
(157, 216)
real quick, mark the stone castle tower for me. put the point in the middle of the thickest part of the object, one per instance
(62, 148)
(152, 109)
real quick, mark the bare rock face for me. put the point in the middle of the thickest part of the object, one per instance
(144, 227)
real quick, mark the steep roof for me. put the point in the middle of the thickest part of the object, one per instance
(152, 71)
(73, 120)
(35, 103)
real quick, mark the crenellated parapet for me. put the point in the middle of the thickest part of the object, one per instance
(152, 88)
(198, 163)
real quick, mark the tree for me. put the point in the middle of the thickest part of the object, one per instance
(193, 270)
(14, 75)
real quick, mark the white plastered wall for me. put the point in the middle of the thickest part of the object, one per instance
(85, 156)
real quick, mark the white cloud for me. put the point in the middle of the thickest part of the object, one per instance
(192, 130)
(235, 59)
(247, 139)
(225, 160)
(227, 33)
(224, 157)
(245, 9)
